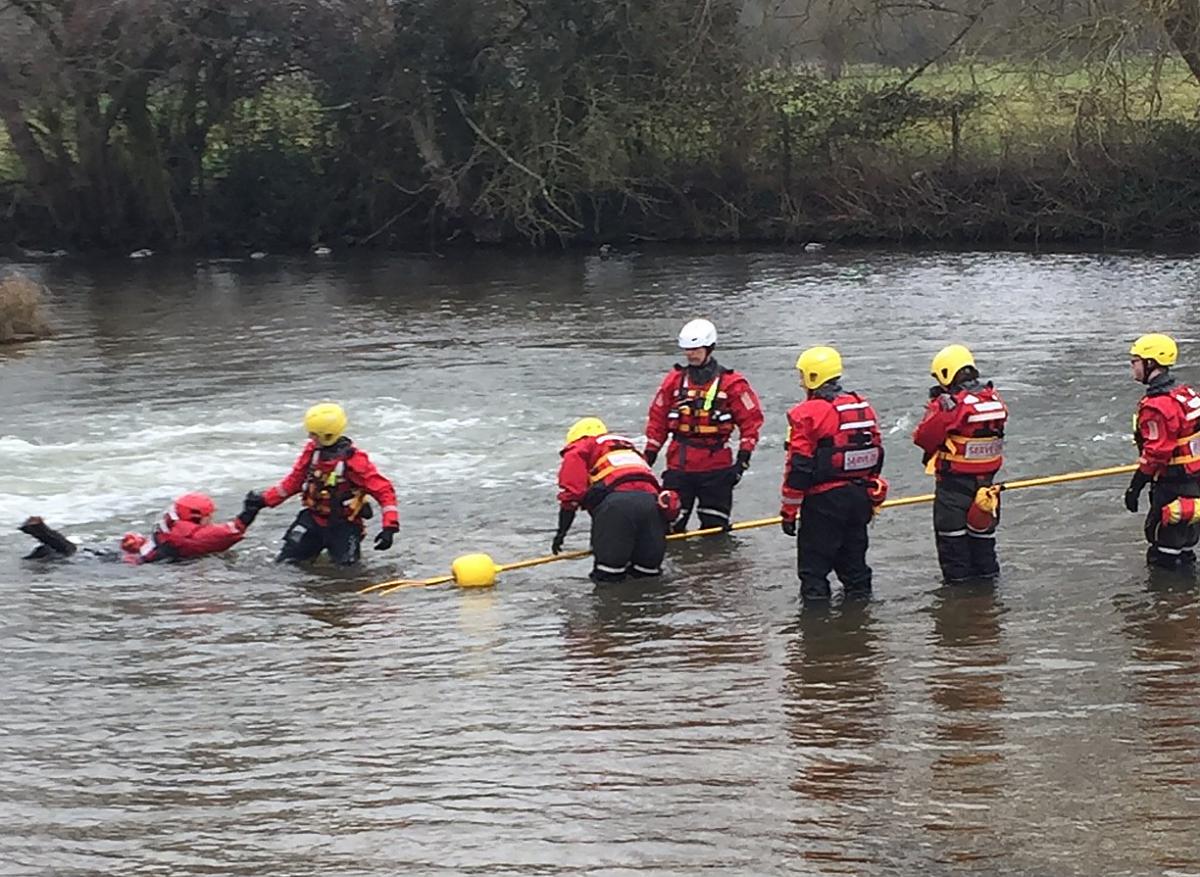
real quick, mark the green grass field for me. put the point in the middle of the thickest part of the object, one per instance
(1024, 110)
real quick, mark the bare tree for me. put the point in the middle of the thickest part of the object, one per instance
(108, 103)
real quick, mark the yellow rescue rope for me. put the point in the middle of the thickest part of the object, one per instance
(401, 584)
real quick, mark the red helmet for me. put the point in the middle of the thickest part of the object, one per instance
(194, 506)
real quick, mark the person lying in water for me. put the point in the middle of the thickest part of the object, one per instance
(185, 531)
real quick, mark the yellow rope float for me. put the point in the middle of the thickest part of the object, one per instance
(480, 571)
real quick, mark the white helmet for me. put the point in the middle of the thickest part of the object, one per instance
(698, 333)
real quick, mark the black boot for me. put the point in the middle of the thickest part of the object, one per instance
(984, 564)
(1162, 560)
(954, 557)
(53, 542)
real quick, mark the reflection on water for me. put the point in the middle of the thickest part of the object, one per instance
(967, 691)
(627, 624)
(833, 700)
(1163, 629)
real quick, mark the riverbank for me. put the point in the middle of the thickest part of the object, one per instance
(966, 154)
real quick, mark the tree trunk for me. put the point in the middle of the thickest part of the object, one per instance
(159, 217)
(40, 175)
(1181, 20)
(100, 206)
(37, 169)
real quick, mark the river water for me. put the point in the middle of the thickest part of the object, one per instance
(234, 717)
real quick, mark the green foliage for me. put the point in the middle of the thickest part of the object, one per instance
(10, 165)
(264, 164)
(262, 123)
(820, 113)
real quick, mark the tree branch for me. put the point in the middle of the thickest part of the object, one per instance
(512, 161)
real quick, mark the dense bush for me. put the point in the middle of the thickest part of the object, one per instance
(280, 123)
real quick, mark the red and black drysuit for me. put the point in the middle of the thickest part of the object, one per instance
(176, 539)
(699, 407)
(607, 477)
(172, 539)
(834, 453)
(962, 435)
(1167, 432)
(335, 482)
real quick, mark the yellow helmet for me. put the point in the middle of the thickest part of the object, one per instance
(948, 361)
(1161, 348)
(585, 427)
(326, 421)
(817, 365)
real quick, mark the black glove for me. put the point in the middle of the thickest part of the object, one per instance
(743, 460)
(936, 391)
(1136, 485)
(788, 525)
(251, 506)
(739, 468)
(384, 540)
(650, 455)
(566, 517)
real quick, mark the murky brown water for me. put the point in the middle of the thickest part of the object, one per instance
(233, 717)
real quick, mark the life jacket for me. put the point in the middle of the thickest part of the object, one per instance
(617, 463)
(855, 451)
(327, 492)
(700, 414)
(978, 449)
(1185, 458)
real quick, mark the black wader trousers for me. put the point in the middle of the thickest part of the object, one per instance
(1173, 544)
(713, 490)
(629, 536)
(832, 536)
(963, 553)
(305, 539)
